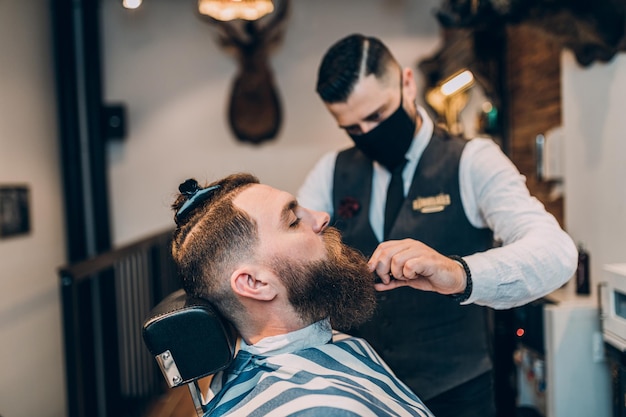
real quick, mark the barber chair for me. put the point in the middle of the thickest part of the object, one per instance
(189, 341)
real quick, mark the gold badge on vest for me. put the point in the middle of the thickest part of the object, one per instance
(432, 204)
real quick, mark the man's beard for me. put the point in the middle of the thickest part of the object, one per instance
(340, 287)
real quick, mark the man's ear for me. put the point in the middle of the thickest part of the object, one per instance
(409, 83)
(252, 283)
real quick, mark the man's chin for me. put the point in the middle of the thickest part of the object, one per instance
(341, 287)
(355, 300)
(351, 314)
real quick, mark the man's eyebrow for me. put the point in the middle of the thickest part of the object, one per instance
(287, 210)
(372, 116)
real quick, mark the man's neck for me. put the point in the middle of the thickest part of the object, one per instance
(270, 322)
(418, 122)
(315, 334)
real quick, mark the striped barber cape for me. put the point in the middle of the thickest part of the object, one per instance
(304, 373)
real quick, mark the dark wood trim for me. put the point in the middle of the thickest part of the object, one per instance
(76, 44)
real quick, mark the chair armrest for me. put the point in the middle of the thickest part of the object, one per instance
(188, 338)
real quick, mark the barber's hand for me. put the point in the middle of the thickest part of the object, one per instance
(411, 263)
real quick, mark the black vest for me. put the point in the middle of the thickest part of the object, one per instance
(430, 341)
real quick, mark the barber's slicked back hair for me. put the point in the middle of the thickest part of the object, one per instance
(348, 60)
(211, 239)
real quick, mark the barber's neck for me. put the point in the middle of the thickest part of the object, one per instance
(418, 122)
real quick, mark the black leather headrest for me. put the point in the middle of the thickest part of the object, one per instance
(199, 340)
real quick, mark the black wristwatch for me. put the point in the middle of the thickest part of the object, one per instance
(468, 283)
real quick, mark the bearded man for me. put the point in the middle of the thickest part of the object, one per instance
(284, 279)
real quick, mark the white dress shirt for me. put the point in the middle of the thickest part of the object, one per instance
(536, 256)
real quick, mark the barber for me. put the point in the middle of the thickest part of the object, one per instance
(456, 197)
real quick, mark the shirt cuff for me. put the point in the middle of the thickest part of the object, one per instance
(485, 288)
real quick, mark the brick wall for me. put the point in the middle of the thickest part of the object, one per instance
(533, 78)
(529, 91)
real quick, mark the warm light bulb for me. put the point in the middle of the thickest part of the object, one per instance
(131, 4)
(235, 9)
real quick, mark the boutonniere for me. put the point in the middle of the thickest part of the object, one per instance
(348, 207)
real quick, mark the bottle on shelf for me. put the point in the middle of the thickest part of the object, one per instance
(582, 271)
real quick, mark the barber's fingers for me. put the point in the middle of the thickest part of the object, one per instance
(390, 285)
(417, 283)
(400, 259)
(410, 262)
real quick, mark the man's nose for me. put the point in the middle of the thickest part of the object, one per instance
(366, 127)
(320, 220)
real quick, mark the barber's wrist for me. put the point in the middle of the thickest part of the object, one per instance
(465, 295)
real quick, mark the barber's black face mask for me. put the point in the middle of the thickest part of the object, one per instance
(388, 142)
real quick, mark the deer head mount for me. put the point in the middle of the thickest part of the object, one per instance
(254, 110)
(592, 29)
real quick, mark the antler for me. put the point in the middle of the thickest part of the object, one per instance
(240, 35)
(272, 29)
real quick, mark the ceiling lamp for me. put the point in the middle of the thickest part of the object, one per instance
(131, 4)
(235, 9)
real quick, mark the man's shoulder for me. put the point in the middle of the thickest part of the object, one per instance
(340, 337)
(480, 142)
(351, 159)
(351, 156)
(355, 346)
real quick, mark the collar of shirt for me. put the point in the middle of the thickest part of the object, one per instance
(316, 334)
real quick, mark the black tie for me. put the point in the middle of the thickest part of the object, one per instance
(395, 197)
